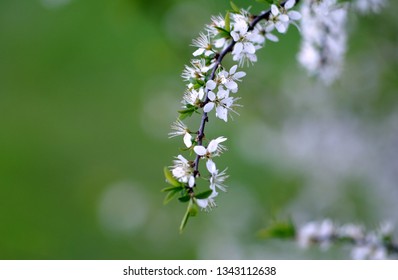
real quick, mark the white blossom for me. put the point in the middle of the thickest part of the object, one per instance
(193, 97)
(207, 203)
(180, 129)
(213, 149)
(222, 102)
(369, 252)
(182, 170)
(244, 48)
(203, 44)
(351, 231)
(366, 245)
(323, 38)
(264, 32)
(278, 20)
(228, 79)
(197, 71)
(217, 21)
(217, 178)
(316, 232)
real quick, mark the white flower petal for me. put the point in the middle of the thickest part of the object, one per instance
(198, 52)
(228, 102)
(294, 15)
(200, 150)
(235, 35)
(272, 37)
(208, 52)
(220, 139)
(289, 4)
(211, 166)
(280, 27)
(182, 159)
(222, 113)
(221, 94)
(208, 107)
(202, 203)
(191, 181)
(188, 140)
(201, 93)
(249, 48)
(211, 84)
(237, 48)
(231, 85)
(213, 145)
(178, 172)
(284, 18)
(239, 75)
(220, 43)
(233, 69)
(211, 95)
(274, 10)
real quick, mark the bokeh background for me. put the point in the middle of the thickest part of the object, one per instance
(88, 90)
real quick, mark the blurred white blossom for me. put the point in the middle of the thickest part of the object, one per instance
(369, 6)
(374, 245)
(323, 31)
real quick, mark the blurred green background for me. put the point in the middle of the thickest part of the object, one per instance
(88, 90)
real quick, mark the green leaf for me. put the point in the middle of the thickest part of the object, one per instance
(234, 7)
(169, 177)
(193, 209)
(223, 33)
(187, 112)
(184, 198)
(184, 221)
(184, 116)
(173, 188)
(278, 229)
(227, 22)
(169, 197)
(204, 195)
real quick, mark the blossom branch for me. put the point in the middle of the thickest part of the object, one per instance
(211, 87)
(263, 16)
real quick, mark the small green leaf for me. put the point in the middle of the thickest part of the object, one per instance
(193, 208)
(278, 229)
(169, 197)
(187, 112)
(183, 116)
(234, 7)
(204, 195)
(227, 22)
(223, 33)
(184, 221)
(169, 177)
(173, 188)
(184, 198)
(197, 86)
(200, 82)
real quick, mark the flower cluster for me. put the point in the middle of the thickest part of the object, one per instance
(323, 38)
(212, 87)
(324, 35)
(367, 245)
